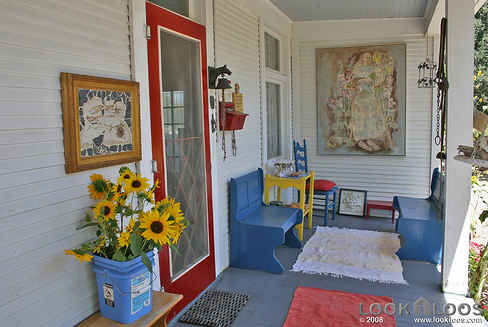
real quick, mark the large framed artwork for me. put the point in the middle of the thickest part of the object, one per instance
(101, 122)
(361, 100)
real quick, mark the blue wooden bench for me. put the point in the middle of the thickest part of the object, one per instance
(256, 229)
(420, 226)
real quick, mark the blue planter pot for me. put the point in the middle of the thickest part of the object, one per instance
(124, 288)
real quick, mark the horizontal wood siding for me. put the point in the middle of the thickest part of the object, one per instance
(41, 205)
(236, 33)
(382, 176)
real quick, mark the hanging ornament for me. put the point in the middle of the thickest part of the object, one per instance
(427, 71)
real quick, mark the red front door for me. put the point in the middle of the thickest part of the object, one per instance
(180, 142)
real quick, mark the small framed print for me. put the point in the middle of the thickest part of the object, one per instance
(101, 122)
(352, 202)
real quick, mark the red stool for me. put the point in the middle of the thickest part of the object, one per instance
(382, 205)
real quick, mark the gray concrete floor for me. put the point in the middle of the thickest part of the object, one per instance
(271, 295)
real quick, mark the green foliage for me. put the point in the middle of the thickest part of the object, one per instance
(481, 59)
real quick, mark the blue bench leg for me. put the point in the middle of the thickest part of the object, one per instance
(334, 205)
(326, 209)
(291, 239)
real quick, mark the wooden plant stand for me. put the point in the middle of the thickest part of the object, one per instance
(162, 305)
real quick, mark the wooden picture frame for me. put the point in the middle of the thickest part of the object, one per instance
(352, 202)
(101, 120)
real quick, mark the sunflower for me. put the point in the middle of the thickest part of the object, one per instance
(106, 209)
(125, 176)
(130, 227)
(176, 215)
(100, 245)
(136, 184)
(166, 203)
(158, 227)
(97, 187)
(78, 256)
(150, 193)
(123, 239)
(86, 257)
(117, 194)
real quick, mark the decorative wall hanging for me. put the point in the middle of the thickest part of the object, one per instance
(352, 202)
(101, 122)
(442, 88)
(427, 71)
(361, 100)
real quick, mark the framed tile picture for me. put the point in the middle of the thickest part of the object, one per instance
(101, 122)
(352, 202)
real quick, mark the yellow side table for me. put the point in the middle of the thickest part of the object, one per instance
(300, 183)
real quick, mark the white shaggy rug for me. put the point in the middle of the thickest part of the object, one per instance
(353, 253)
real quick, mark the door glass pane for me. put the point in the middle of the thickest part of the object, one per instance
(178, 6)
(184, 145)
(273, 116)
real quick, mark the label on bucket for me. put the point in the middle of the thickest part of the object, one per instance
(108, 294)
(140, 292)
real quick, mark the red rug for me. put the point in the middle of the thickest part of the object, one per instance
(313, 307)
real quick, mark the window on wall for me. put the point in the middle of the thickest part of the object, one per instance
(181, 7)
(272, 52)
(273, 106)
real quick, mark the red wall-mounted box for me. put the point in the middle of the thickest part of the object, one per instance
(234, 120)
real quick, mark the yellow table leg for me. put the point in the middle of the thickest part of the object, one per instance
(278, 194)
(302, 206)
(310, 200)
(266, 190)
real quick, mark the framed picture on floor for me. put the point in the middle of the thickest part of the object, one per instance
(352, 202)
(101, 122)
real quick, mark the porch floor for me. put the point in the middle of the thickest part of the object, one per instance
(271, 295)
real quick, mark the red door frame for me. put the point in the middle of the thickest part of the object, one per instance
(193, 282)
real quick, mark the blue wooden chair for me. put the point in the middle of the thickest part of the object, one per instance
(322, 187)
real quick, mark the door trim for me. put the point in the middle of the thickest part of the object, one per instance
(203, 274)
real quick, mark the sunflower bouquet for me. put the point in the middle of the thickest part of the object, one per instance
(128, 221)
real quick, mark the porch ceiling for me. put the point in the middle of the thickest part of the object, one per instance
(352, 9)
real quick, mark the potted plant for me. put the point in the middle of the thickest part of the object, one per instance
(129, 225)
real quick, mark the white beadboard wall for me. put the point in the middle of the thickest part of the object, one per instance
(41, 205)
(383, 177)
(237, 27)
(236, 35)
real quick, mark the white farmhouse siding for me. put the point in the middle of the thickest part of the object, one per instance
(382, 176)
(239, 25)
(236, 34)
(41, 205)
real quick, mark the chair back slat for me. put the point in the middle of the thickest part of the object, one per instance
(246, 194)
(300, 153)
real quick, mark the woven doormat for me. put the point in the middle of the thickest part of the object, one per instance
(215, 309)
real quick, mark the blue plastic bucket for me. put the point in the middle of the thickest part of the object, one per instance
(124, 288)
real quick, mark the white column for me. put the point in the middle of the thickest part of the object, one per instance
(460, 52)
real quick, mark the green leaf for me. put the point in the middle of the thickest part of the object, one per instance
(122, 169)
(146, 262)
(136, 243)
(119, 255)
(87, 225)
